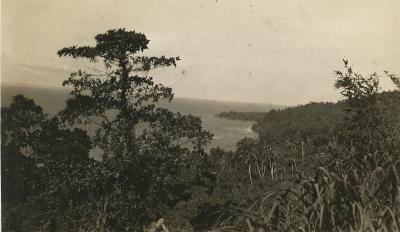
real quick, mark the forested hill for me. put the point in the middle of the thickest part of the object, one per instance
(311, 115)
(311, 121)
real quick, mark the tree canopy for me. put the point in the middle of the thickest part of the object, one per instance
(122, 96)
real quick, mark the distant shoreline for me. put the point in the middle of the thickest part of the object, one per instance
(243, 116)
(228, 132)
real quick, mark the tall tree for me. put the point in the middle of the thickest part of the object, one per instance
(145, 169)
(124, 88)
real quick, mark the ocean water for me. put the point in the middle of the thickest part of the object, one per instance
(226, 132)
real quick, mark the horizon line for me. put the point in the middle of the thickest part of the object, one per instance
(61, 88)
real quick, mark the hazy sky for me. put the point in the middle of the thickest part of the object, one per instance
(271, 51)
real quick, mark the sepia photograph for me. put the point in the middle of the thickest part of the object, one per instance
(200, 115)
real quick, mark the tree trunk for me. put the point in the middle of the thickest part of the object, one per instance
(123, 63)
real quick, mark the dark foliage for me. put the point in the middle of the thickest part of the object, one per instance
(143, 175)
(315, 167)
(357, 186)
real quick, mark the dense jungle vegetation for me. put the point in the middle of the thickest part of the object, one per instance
(315, 167)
